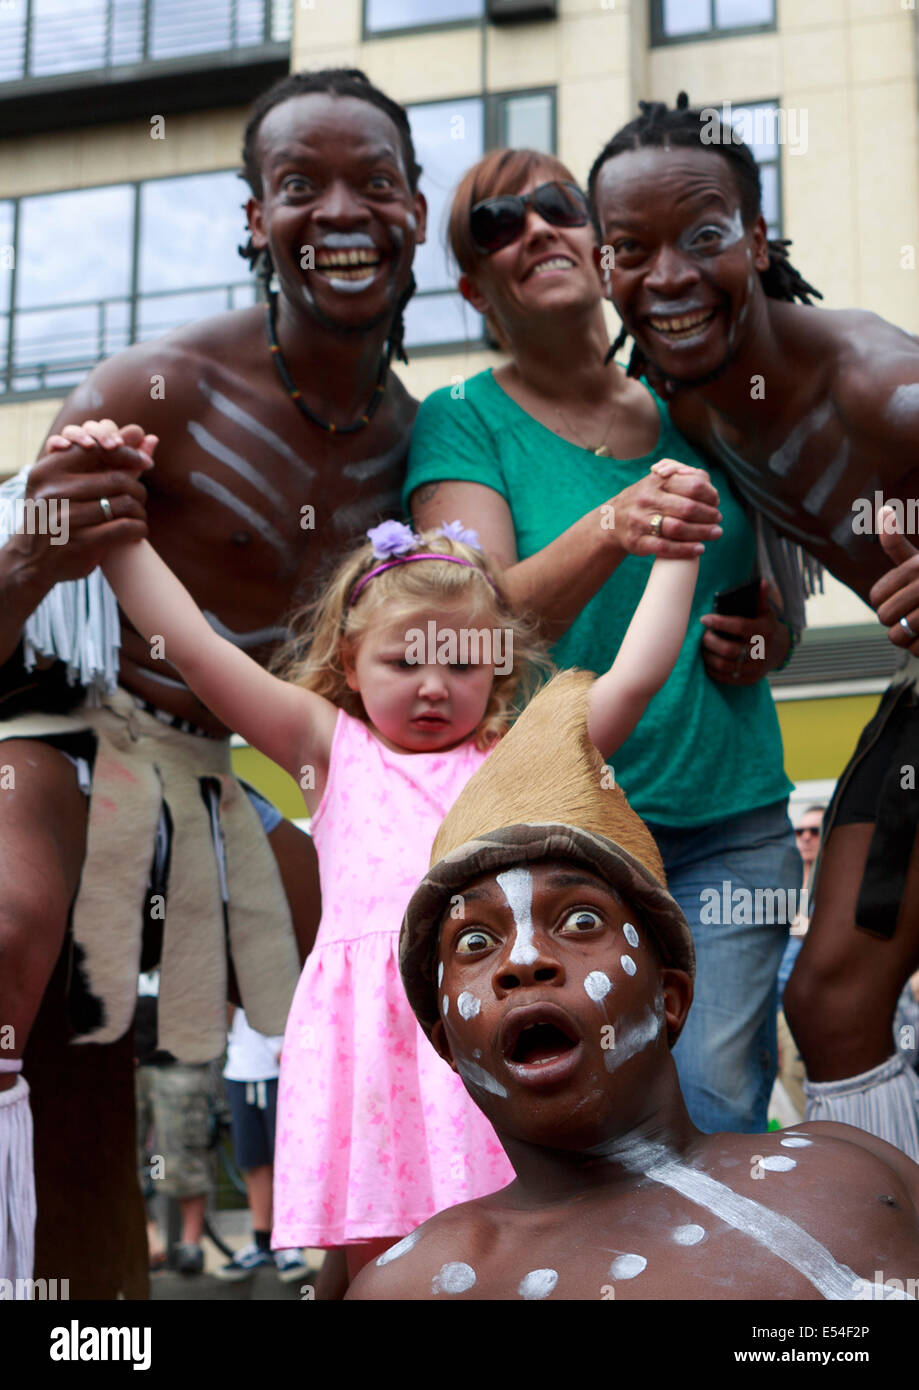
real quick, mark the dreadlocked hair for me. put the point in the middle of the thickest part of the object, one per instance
(341, 82)
(685, 128)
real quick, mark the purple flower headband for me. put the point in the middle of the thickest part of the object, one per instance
(393, 540)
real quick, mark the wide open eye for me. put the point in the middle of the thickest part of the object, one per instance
(473, 939)
(582, 919)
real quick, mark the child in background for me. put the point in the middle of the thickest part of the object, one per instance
(382, 724)
(251, 1078)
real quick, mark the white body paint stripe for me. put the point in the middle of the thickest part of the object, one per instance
(206, 441)
(517, 887)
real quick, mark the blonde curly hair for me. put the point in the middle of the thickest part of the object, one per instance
(333, 624)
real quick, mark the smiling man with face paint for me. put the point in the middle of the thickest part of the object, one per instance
(282, 436)
(545, 901)
(815, 415)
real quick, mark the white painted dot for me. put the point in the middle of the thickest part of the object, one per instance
(778, 1163)
(440, 974)
(630, 934)
(477, 1052)
(628, 964)
(795, 1143)
(627, 1266)
(468, 1004)
(597, 985)
(446, 1005)
(402, 1248)
(539, 1283)
(689, 1235)
(455, 1277)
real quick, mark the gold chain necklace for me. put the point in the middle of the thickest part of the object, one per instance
(600, 449)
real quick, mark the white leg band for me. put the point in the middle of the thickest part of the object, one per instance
(17, 1184)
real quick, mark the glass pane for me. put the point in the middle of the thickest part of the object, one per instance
(769, 176)
(190, 228)
(71, 336)
(6, 254)
(127, 31)
(12, 41)
(441, 318)
(162, 313)
(281, 19)
(116, 332)
(686, 16)
(759, 127)
(75, 246)
(448, 138)
(732, 14)
(4, 333)
(527, 122)
(67, 37)
(178, 28)
(402, 14)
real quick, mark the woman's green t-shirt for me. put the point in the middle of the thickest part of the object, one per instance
(702, 751)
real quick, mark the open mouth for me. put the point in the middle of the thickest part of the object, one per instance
(538, 1036)
(539, 1043)
(554, 263)
(679, 328)
(348, 266)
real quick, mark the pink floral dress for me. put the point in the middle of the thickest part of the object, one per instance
(375, 1133)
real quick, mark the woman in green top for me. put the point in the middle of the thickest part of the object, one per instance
(549, 459)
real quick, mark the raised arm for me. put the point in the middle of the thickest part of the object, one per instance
(646, 657)
(291, 726)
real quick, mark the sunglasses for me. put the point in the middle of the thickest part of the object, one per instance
(497, 222)
(808, 830)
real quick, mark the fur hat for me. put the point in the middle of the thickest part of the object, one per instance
(544, 793)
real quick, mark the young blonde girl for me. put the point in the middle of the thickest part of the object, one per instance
(392, 700)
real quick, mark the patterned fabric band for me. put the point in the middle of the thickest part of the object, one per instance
(408, 560)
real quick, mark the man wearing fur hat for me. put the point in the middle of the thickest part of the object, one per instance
(551, 968)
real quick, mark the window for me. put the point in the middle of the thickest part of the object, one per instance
(764, 126)
(388, 16)
(675, 21)
(169, 257)
(450, 136)
(44, 38)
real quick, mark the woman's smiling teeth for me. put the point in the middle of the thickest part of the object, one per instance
(556, 263)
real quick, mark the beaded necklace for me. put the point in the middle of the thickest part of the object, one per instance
(372, 405)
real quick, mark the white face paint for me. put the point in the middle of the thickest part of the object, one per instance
(795, 1142)
(628, 964)
(630, 934)
(395, 1252)
(778, 1163)
(468, 1004)
(446, 1005)
(440, 974)
(517, 887)
(597, 985)
(539, 1283)
(634, 1037)
(478, 1076)
(453, 1278)
(627, 1266)
(689, 1235)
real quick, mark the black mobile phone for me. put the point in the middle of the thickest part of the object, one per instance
(740, 602)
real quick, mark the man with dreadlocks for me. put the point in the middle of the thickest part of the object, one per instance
(811, 414)
(282, 435)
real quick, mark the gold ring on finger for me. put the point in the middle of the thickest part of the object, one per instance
(106, 506)
(657, 523)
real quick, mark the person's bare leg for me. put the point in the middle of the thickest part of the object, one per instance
(361, 1254)
(192, 1219)
(90, 1224)
(332, 1280)
(843, 991)
(259, 1192)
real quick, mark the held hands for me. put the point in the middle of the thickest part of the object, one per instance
(895, 596)
(80, 467)
(670, 513)
(746, 661)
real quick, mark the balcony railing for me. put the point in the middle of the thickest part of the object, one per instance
(49, 38)
(53, 346)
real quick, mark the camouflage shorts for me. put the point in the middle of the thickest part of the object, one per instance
(173, 1109)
